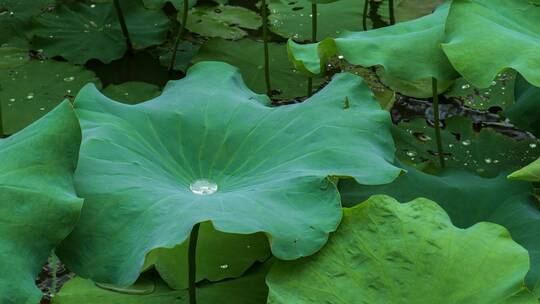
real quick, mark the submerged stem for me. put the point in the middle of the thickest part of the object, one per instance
(365, 14)
(313, 40)
(391, 12)
(180, 34)
(264, 15)
(123, 25)
(54, 273)
(436, 117)
(192, 263)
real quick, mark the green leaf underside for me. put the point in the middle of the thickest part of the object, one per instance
(80, 32)
(247, 55)
(484, 37)
(468, 199)
(486, 153)
(223, 21)
(408, 50)
(249, 289)
(38, 204)
(219, 256)
(387, 252)
(524, 113)
(270, 166)
(30, 88)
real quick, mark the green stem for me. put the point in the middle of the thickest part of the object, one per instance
(123, 25)
(54, 270)
(264, 14)
(192, 263)
(313, 40)
(180, 35)
(391, 12)
(436, 117)
(365, 14)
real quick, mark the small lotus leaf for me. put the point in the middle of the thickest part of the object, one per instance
(484, 37)
(38, 204)
(80, 32)
(144, 164)
(132, 92)
(223, 21)
(525, 112)
(387, 252)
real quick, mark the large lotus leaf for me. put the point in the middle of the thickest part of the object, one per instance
(249, 289)
(132, 92)
(31, 88)
(80, 32)
(248, 55)
(484, 37)
(15, 17)
(487, 152)
(292, 19)
(223, 21)
(468, 199)
(143, 167)
(38, 204)
(524, 113)
(219, 256)
(408, 50)
(499, 94)
(387, 252)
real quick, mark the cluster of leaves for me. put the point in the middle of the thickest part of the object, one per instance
(117, 169)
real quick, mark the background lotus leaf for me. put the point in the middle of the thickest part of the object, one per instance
(269, 164)
(249, 289)
(29, 88)
(387, 252)
(219, 256)
(468, 199)
(132, 92)
(38, 204)
(16, 16)
(246, 54)
(484, 37)
(223, 21)
(487, 152)
(79, 32)
(408, 50)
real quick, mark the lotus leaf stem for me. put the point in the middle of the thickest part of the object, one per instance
(365, 14)
(192, 263)
(264, 15)
(123, 25)
(54, 274)
(391, 12)
(436, 117)
(180, 34)
(313, 39)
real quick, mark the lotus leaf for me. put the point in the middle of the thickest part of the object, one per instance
(38, 204)
(387, 252)
(223, 21)
(185, 52)
(524, 112)
(291, 19)
(16, 15)
(408, 50)
(132, 92)
(250, 289)
(80, 32)
(500, 94)
(29, 88)
(530, 172)
(219, 256)
(484, 37)
(144, 168)
(468, 199)
(157, 4)
(486, 153)
(247, 55)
